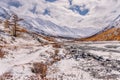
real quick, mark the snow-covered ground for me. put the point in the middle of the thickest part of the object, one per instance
(89, 61)
(71, 61)
(68, 18)
(19, 53)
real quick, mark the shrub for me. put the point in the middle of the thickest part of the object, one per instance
(40, 68)
(2, 54)
(56, 45)
(6, 76)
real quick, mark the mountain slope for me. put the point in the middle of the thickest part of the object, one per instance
(112, 34)
(109, 33)
(67, 18)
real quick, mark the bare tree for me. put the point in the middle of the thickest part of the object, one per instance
(6, 23)
(14, 23)
(1, 21)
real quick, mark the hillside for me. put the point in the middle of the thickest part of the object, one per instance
(112, 34)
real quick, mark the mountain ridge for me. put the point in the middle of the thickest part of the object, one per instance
(62, 18)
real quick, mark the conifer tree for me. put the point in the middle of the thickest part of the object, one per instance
(14, 23)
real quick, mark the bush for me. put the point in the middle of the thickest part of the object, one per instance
(40, 68)
(6, 76)
(56, 45)
(2, 54)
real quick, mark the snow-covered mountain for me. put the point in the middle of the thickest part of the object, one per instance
(67, 18)
(27, 55)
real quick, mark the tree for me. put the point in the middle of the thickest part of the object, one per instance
(14, 23)
(6, 23)
(0, 21)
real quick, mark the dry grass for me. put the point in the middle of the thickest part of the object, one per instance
(108, 35)
(56, 51)
(2, 54)
(55, 57)
(48, 38)
(56, 45)
(20, 29)
(35, 77)
(51, 39)
(6, 76)
(40, 69)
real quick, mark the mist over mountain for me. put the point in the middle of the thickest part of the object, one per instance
(67, 18)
